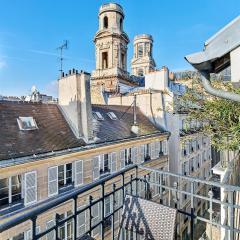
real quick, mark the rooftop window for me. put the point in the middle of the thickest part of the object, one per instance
(112, 115)
(27, 123)
(98, 116)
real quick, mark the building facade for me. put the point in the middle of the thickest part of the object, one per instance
(58, 148)
(189, 148)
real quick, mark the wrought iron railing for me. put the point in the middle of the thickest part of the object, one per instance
(137, 180)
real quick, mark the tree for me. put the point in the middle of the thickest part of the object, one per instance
(221, 116)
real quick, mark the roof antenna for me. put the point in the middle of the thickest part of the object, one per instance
(61, 47)
(135, 128)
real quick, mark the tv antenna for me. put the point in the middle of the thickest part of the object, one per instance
(61, 47)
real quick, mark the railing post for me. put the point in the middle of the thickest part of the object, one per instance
(57, 218)
(102, 225)
(192, 210)
(34, 225)
(145, 186)
(210, 194)
(75, 217)
(136, 173)
(90, 214)
(231, 214)
(123, 187)
(113, 208)
(131, 180)
(160, 187)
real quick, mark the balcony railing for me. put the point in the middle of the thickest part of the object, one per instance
(134, 180)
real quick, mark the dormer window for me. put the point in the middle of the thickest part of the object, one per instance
(112, 115)
(98, 116)
(27, 123)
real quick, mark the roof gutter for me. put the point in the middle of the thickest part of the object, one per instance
(205, 77)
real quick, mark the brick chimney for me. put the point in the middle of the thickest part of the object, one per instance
(75, 103)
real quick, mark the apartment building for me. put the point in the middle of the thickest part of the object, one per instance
(189, 148)
(47, 151)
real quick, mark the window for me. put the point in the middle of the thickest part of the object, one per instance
(65, 231)
(140, 50)
(123, 60)
(64, 175)
(105, 22)
(26, 123)
(128, 156)
(10, 190)
(121, 24)
(140, 72)
(104, 164)
(50, 235)
(112, 115)
(104, 60)
(147, 152)
(98, 116)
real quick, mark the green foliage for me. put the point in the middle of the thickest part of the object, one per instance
(222, 117)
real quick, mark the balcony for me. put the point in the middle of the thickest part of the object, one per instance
(136, 181)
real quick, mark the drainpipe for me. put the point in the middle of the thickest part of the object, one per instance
(205, 77)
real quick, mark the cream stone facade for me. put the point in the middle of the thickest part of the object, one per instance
(142, 61)
(111, 50)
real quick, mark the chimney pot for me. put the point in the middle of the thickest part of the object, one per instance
(70, 72)
(73, 71)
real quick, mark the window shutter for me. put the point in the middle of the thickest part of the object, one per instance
(157, 149)
(51, 235)
(30, 195)
(28, 235)
(95, 163)
(122, 158)
(81, 223)
(152, 150)
(165, 147)
(134, 152)
(113, 162)
(52, 181)
(78, 173)
(141, 150)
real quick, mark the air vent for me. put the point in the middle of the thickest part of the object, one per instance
(27, 123)
(112, 115)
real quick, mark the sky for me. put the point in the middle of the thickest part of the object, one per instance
(31, 31)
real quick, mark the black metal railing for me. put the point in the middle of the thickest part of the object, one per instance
(130, 180)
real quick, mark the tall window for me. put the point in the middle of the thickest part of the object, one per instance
(104, 60)
(123, 60)
(121, 24)
(64, 175)
(10, 190)
(140, 72)
(104, 164)
(105, 22)
(140, 50)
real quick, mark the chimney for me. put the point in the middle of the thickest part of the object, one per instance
(75, 103)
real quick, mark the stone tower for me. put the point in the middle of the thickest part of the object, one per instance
(142, 61)
(111, 51)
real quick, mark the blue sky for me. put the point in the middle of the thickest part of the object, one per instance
(31, 30)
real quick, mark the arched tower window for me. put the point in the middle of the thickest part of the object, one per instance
(105, 22)
(140, 72)
(121, 23)
(140, 50)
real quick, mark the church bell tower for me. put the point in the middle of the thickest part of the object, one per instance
(111, 50)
